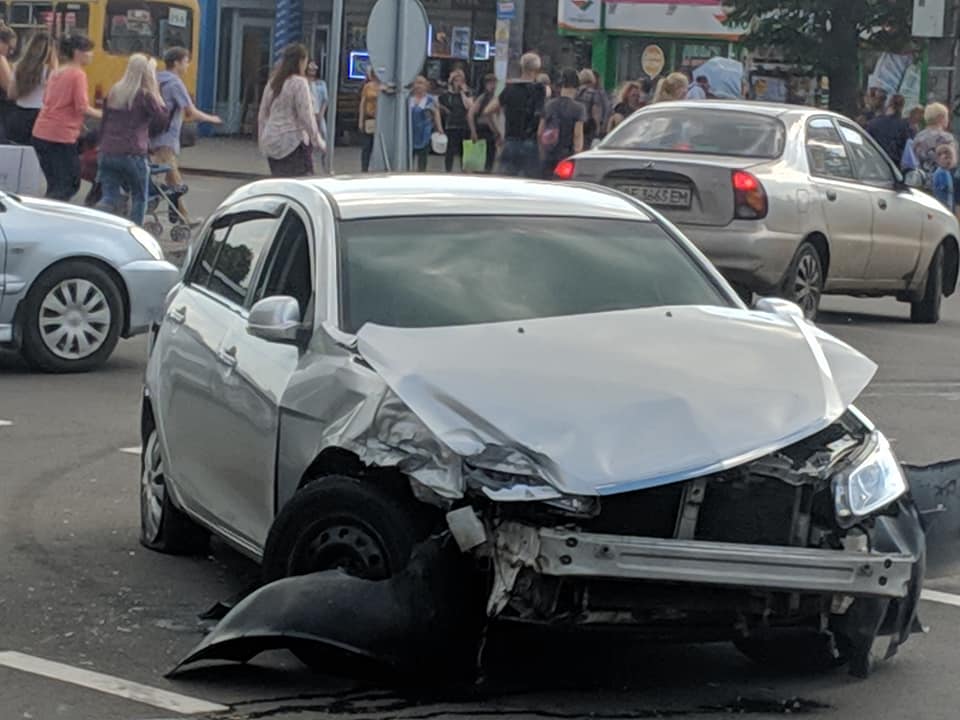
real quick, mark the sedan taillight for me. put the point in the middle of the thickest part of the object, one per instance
(749, 197)
(564, 170)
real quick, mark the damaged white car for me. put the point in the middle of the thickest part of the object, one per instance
(548, 382)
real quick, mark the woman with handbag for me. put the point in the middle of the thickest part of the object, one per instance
(561, 128)
(288, 126)
(424, 121)
(482, 125)
(455, 104)
(369, 95)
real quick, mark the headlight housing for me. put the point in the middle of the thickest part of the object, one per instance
(148, 242)
(872, 481)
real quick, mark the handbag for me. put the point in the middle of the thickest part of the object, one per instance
(474, 155)
(438, 143)
(369, 126)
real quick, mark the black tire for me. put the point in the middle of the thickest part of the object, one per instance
(54, 283)
(367, 527)
(927, 308)
(804, 280)
(171, 532)
(795, 650)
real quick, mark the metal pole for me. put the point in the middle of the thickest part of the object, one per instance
(402, 147)
(333, 77)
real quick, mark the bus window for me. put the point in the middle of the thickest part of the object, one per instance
(71, 18)
(27, 18)
(146, 27)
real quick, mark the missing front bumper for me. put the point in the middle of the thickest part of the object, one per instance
(560, 553)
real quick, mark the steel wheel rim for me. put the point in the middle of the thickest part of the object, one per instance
(74, 319)
(806, 284)
(346, 545)
(153, 490)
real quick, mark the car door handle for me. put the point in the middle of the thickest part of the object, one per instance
(882, 204)
(831, 195)
(228, 356)
(178, 315)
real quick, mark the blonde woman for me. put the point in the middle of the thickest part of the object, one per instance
(629, 101)
(673, 87)
(29, 82)
(132, 104)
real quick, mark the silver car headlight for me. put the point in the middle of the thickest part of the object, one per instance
(148, 242)
(871, 482)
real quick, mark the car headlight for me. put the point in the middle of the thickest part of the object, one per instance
(148, 242)
(871, 482)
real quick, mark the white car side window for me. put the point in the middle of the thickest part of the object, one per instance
(869, 163)
(826, 152)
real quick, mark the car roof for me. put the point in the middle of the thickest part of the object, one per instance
(416, 194)
(752, 106)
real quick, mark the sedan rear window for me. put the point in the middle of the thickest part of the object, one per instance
(442, 271)
(706, 132)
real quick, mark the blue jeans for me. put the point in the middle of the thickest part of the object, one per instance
(521, 158)
(117, 173)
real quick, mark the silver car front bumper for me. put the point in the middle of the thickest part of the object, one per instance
(148, 282)
(559, 553)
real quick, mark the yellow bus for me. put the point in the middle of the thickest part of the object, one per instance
(118, 28)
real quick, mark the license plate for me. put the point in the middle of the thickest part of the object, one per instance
(662, 195)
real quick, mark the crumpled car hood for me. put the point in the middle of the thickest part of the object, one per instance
(611, 402)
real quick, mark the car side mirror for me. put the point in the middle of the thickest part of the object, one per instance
(779, 307)
(275, 319)
(913, 179)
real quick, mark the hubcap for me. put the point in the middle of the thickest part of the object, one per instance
(152, 490)
(74, 319)
(346, 545)
(806, 285)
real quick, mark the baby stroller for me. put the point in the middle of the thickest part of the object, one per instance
(157, 192)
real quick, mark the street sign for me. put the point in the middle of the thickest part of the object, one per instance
(397, 52)
(506, 10)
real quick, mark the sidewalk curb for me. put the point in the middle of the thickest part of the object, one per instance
(229, 174)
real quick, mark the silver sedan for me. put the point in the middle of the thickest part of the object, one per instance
(74, 281)
(785, 200)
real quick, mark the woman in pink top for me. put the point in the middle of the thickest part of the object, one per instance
(288, 132)
(57, 130)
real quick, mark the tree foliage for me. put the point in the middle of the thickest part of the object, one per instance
(825, 34)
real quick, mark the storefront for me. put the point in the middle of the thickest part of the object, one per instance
(636, 39)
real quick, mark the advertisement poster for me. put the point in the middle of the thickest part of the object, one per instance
(579, 14)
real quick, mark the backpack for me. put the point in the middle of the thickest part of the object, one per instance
(159, 124)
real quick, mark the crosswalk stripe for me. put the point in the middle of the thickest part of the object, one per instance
(163, 699)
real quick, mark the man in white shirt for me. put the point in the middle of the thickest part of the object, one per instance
(698, 90)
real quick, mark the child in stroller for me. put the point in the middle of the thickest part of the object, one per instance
(156, 192)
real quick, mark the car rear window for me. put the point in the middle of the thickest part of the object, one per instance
(700, 131)
(443, 271)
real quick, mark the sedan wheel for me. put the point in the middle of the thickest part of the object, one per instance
(73, 318)
(804, 284)
(163, 526)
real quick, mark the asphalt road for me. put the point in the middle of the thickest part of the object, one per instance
(77, 588)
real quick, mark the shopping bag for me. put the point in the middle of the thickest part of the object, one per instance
(474, 155)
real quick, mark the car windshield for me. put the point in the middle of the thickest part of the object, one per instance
(717, 132)
(441, 271)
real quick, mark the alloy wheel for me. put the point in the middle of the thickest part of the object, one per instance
(807, 284)
(153, 490)
(74, 319)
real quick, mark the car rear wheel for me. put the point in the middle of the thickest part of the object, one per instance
(927, 308)
(72, 319)
(163, 526)
(804, 281)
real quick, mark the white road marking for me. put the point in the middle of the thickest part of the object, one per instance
(108, 684)
(6, 423)
(136, 450)
(940, 597)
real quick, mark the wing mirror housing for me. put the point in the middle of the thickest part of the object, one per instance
(779, 307)
(913, 179)
(275, 319)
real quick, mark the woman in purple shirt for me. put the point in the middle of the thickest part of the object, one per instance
(124, 137)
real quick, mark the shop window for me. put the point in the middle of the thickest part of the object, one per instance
(146, 27)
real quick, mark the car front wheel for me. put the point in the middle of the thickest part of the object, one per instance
(804, 281)
(927, 308)
(73, 318)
